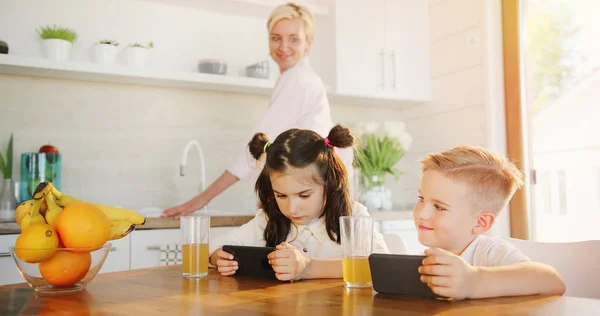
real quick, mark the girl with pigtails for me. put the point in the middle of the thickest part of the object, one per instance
(303, 189)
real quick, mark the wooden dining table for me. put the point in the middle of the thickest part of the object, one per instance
(163, 291)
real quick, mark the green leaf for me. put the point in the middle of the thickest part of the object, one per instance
(2, 166)
(9, 158)
(377, 156)
(54, 31)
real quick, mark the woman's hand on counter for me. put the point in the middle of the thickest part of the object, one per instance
(226, 180)
(186, 208)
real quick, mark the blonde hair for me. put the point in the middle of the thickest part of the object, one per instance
(291, 10)
(491, 177)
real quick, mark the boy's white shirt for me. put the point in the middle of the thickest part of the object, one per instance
(486, 251)
(311, 239)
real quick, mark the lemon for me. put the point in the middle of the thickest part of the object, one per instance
(36, 243)
(22, 209)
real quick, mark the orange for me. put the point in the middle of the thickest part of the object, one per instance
(36, 243)
(83, 226)
(65, 267)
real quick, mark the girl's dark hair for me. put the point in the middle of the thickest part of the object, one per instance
(299, 148)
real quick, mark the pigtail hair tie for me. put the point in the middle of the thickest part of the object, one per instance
(267, 144)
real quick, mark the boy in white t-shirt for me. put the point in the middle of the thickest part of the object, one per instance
(462, 191)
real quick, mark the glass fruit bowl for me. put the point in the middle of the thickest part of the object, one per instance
(63, 270)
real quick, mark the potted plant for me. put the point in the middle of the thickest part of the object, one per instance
(137, 54)
(105, 52)
(57, 41)
(378, 152)
(8, 200)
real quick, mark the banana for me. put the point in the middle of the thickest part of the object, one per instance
(113, 213)
(33, 217)
(121, 214)
(22, 210)
(122, 221)
(120, 229)
(42, 189)
(43, 207)
(62, 199)
(52, 212)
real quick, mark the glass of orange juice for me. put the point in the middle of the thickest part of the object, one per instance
(194, 257)
(357, 245)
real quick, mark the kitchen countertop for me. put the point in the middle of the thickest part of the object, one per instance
(162, 291)
(216, 220)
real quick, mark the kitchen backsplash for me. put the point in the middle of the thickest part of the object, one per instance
(122, 144)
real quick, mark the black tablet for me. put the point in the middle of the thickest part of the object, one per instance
(252, 261)
(398, 274)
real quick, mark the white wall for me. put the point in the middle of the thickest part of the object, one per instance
(122, 143)
(467, 105)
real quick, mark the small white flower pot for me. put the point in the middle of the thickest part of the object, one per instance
(57, 49)
(136, 57)
(104, 54)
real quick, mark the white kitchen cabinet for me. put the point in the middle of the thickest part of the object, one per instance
(119, 256)
(407, 49)
(146, 247)
(158, 247)
(9, 273)
(359, 35)
(382, 49)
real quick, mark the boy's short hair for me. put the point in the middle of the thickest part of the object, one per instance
(491, 177)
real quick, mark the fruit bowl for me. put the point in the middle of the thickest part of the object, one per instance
(66, 270)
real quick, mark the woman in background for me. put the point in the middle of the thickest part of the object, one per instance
(298, 100)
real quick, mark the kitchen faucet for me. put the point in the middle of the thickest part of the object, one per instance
(184, 156)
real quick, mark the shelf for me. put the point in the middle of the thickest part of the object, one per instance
(87, 71)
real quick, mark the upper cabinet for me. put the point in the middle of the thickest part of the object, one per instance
(382, 49)
(359, 46)
(368, 53)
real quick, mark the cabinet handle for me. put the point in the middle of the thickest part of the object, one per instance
(382, 69)
(157, 248)
(394, 70)
(4, 254)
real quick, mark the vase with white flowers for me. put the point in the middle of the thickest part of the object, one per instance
(378, 152)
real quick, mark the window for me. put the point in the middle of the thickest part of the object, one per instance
(562, 192)
(554, 111)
